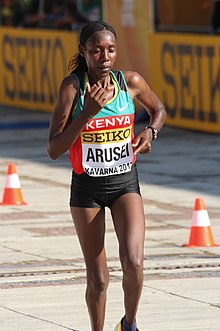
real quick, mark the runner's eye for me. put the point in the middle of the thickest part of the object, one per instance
(112, 50)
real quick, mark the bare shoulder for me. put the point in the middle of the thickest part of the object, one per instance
(69, 82)
(136, 83)
(133, 79)
(67, 91)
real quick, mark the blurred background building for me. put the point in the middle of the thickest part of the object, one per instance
(58, 14)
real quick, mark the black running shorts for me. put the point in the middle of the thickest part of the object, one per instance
(100, 192)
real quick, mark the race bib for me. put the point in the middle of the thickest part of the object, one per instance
(106, 146)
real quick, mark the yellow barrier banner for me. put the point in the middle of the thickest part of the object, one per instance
(185, 73)
(32, 65)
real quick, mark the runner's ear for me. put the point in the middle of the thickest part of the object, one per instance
(81, 50)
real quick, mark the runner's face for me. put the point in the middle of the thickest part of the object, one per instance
(100, 53)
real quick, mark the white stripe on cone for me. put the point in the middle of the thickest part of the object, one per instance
(12, 181)
(200, 218)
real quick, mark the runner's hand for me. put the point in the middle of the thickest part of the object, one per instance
(142, 142)
(95, 99)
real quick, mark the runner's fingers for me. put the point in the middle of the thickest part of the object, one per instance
(146, 148)
(100, 95)
(143, 147)
(93, 91)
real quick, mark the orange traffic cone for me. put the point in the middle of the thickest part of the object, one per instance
(201, 232)
(12, 192)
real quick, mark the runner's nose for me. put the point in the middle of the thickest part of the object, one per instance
(105, 55)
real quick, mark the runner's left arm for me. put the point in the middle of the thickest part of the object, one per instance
(140, 90)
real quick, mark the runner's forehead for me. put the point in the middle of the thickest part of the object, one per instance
(101, 37)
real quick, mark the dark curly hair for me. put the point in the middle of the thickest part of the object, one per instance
(77, 62)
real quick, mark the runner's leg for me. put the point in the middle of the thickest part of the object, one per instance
(90, 228)
(129, 221)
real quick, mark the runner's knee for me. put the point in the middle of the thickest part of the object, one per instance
(98, 283)
(132, 264)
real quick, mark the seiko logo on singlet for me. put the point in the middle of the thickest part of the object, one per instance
(106, 136)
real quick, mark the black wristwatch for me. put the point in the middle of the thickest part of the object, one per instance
(154, 131)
